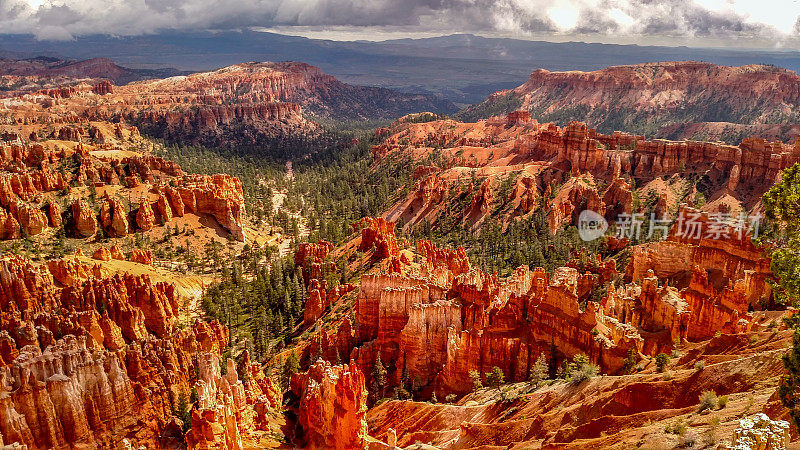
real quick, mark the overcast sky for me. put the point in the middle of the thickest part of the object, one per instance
(748, 23)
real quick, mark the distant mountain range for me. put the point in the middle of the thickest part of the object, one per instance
(44, 66)
(462, 68)
(675, 100)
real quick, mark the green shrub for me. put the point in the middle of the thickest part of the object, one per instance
(711, 433)
(585, 372)
(582, 369)
(631, 359)
(538, 372)
(679, 428)
(700, 365)
(565, 370)
(401, 393)
(661, 361)
(708, 400)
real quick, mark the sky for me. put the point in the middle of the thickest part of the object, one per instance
(716, 23)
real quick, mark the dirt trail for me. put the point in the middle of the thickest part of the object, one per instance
(285, 243)
(194, 307)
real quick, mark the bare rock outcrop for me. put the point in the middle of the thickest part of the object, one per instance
(142, 256)
(86, 358)
(218, 195)
(145, 217)
(377, 233)
(759, 432)
(83, 215)
(114, 218)
(332, 405)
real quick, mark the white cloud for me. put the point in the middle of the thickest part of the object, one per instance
(565, 17)
(621, 18)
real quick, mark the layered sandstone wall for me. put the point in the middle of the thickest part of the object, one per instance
(434, 323)
(567, 169)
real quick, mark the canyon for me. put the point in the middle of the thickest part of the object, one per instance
(436, 322)
(90, 358)
(391, 335)
(97, 349)
(434, 319)
(41, 72)
(40, 192)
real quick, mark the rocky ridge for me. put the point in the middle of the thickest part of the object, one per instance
(683, 99)
(333, 404)
(244, 104)
(511, 167)
(37, 185)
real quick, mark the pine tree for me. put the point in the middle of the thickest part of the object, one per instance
(495, 378)
(553, 358)
(538, 371)
(475, 377)
(183, 412)
(782, 206)
(662, 359)
(630, 360)
(789, 389)
(290, 367)
(378, 377)
(319, 351)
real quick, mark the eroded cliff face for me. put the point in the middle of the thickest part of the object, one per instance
(228, 407)
(438, 326)
(88, 359)
(717, 277)
(243, 104)
(507, 168)
(434, 318)
(604, 412)
(211, 107)
(218, 195)
(436, 321)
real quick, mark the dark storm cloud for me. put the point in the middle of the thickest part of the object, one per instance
(596, 21)
(11, 9)
(682, 17)
(639, 17)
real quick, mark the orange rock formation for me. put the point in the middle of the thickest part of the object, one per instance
(91, 361)
(333, 403)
